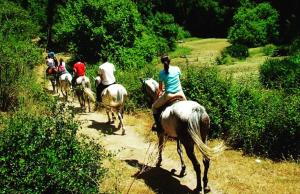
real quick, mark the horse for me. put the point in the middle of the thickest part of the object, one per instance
(51, 74)
(113, 99)
(84, 92)
(189, 123)
(65, 82)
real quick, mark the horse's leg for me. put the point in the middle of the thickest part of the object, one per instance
(189, 148)
(121, 122)
(108, 116)
(160, 148)
(112, 115)
(179, 150)
(89, 103)
(205, 179)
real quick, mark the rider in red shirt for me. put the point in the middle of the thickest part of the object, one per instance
(78, 69)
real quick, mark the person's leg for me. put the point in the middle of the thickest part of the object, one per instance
(156, 114)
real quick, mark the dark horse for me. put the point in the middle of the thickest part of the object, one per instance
(188, 122)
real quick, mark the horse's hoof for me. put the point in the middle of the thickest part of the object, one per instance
(123, 132)
(206, 189)
(197, 191)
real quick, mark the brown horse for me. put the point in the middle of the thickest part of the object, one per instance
(188, 122)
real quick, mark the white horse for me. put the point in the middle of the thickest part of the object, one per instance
(65, 81)
(113, 99)
(84, 92)
(188, 122)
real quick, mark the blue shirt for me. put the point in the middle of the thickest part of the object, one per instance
(171, 80)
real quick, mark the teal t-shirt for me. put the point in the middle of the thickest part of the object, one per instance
(171, 80)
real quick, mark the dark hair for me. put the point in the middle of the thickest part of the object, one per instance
(165, 59)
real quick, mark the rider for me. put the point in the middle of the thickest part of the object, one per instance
(62, 67)
(79, 71)
(106, 73)
(51, 65)
(169, 79)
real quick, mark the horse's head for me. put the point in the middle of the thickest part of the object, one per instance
(149, 88)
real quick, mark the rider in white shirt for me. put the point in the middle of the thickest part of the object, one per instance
(106, 73)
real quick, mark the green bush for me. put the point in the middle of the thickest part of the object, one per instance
(42, 154)
(18, 58)
(264, 123)
(16, 22)
(254, 25)
(269, 49)
(233, 51)
(280, 73)
(207, 88)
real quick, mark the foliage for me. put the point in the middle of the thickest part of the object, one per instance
(269, 49)
(280, 73)
(92, 28)
(16, 21)
(254, 25)
(295, 46)
(264, 123)
(163, 25)
(41, 154)
(18, 57)
(233, 51)
(207, 88)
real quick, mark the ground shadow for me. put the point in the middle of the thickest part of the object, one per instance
(104, 127)
(158, 179)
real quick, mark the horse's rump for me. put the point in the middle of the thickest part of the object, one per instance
(173, 116)
(114, 95)
(66, 77)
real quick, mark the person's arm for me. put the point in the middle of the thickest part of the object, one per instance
(160, 89)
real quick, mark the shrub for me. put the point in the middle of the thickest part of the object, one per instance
(254, 25)
(207, 88)
(230, 52)
(18, 57)
(269, 50)
(41, 154)
(264, 123)
(280, 73)
(16, 22)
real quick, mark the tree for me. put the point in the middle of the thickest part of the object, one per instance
(254, 25)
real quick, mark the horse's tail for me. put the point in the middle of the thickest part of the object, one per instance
(89, 93)
(199, 118)
(121, 94)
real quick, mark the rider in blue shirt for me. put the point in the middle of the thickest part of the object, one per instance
(169, 79)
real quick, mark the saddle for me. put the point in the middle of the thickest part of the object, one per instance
(170, 102)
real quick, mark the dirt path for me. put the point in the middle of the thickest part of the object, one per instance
(134, 150)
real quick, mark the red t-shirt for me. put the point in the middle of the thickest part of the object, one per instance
(79, 68)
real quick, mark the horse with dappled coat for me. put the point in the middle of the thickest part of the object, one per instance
(113, 99)
(189, 124)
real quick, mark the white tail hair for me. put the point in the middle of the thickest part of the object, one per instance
(194, 124)
(89, 93)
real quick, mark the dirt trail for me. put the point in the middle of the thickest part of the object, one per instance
(134, 150)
